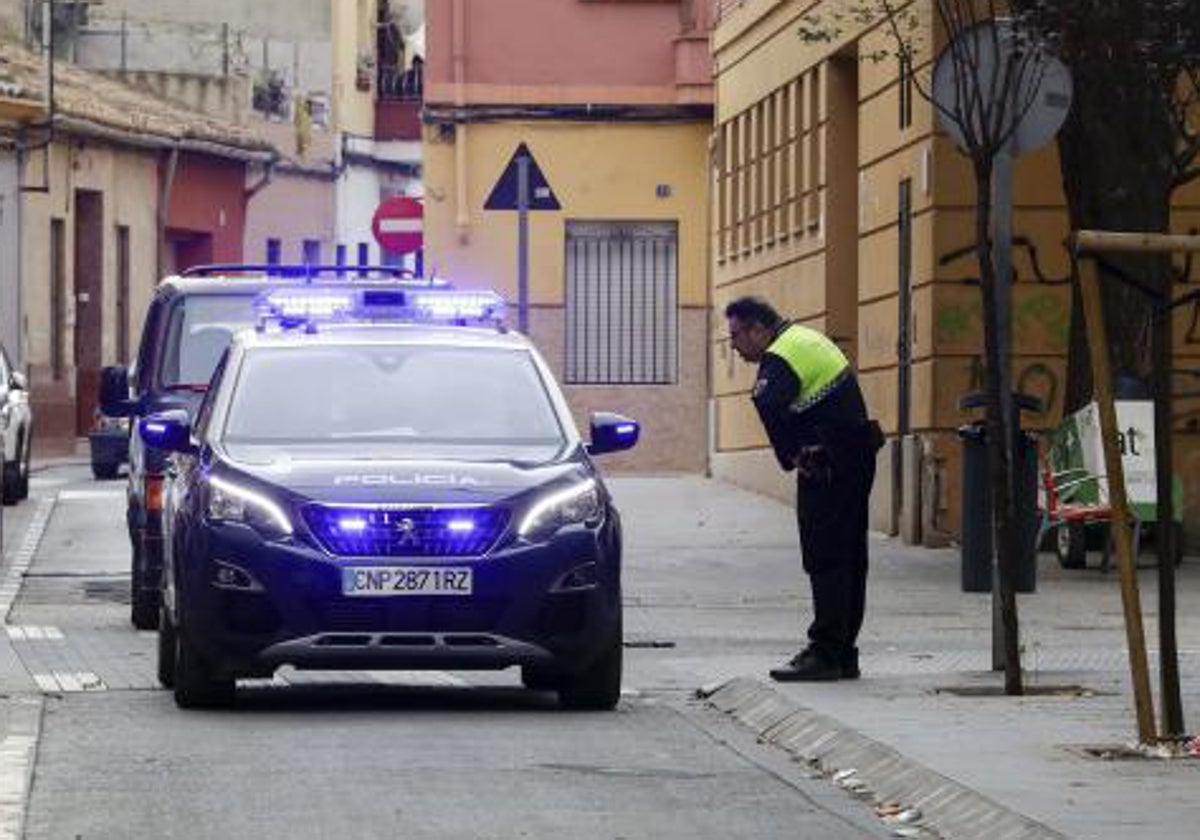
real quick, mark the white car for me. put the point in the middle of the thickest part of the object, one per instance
(16, 430)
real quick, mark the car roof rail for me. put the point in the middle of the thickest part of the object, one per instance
(309, 271)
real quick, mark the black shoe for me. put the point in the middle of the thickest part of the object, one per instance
(807, 666)
(848, 663)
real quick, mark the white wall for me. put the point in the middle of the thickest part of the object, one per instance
(359, 193)
(288, 20)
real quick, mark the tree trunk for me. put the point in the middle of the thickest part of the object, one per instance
(999, 455)
(1116, 150)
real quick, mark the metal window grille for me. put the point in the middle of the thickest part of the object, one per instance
(622, 320)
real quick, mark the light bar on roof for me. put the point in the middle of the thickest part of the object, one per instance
(458, 305)
(310, 307)
(306, 303)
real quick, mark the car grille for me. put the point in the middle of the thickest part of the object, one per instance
(406, 532)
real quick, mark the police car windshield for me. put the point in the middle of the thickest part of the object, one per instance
(200, 329)
(429, 400)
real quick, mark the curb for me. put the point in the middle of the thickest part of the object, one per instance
(868, 768)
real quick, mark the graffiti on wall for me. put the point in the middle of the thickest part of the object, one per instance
(1041, 309)
(1040, 313)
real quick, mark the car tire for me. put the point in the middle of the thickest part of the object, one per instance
(540, 679)
(1070, 544)
(166, 650)
(12, 478)
(196, 682)
(103, 471)
(26, 446)
(144, 603)
(598, 688)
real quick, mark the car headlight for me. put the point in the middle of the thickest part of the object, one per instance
(579, 503)
(230, 502)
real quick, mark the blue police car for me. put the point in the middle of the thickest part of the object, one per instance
(372, 483)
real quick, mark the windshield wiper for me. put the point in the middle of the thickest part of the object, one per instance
(192, 387)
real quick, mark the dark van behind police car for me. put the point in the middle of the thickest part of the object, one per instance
(188, 325)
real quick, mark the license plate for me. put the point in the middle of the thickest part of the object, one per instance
(380, 581)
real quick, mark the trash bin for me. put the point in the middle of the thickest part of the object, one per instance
(977, 529)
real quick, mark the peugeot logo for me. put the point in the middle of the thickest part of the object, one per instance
(406, 533)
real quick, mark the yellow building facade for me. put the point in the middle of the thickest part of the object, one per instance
(836, 198)
(642, 186)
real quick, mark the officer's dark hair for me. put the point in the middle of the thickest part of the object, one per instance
(754, 310)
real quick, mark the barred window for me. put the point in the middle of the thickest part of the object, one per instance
(621, 310)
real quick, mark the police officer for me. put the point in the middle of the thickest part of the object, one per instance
(810, 404)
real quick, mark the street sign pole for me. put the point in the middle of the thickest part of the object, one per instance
(523, 244)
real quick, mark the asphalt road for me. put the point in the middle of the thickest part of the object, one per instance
(385, 754)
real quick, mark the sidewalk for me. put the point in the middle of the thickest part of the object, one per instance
(716, 570)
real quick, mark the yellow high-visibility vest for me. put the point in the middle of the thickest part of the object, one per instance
(817, 362)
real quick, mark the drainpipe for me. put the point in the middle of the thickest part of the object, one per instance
(462, 218)
(164, 204)
(261, 184)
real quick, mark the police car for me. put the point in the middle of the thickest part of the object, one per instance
(388, 479)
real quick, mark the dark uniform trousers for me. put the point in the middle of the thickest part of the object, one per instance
(832, 510)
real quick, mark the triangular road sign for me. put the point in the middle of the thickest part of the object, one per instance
(504, 194)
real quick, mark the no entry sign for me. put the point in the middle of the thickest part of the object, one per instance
(397, 225)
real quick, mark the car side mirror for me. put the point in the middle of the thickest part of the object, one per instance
(114, 392)
(170, 431)
(612, 433)
(18, 381)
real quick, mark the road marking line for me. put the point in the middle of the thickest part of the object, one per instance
(23, 556)
(17, 752)
(69, 682)
(264, 682)
(418, 679)
(89, 495)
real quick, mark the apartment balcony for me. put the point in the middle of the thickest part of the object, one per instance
(398, 103)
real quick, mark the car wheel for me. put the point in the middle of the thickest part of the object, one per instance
(599, 687)
(144, 603)
(196, 683)
(23, 480)
(12, 478)
(102, 471)
(539, 679)
(166, 650)
(1070, 544)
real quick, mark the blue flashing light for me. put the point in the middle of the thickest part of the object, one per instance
(308, 307)
(458, 305)
(352, 524)
(460, 526)
(155, 428)
(288, 304)
(627, 429)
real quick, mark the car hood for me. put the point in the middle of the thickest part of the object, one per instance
(326, 478)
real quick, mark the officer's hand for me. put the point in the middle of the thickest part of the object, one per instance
(810, 461)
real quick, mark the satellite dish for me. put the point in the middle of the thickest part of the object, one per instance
(1043, 88)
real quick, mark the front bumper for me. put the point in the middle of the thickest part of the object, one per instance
(531, 605)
